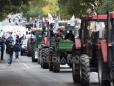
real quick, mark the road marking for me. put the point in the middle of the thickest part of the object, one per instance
(26, 65)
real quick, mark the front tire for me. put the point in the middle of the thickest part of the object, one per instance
(76, 70)
(103, 71)
(84, 70)
(56, 67)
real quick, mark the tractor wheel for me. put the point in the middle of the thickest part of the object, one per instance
(41, 65)
(33, 55)
(102, 72)
(56, 64)
(38, 54)
(50, 66)
(38, 60)
(84, 70)
(50, 63)
(44, 59)
(50, 59)
(41, 57)
(56, 67)
(45, 65)
(76, 70)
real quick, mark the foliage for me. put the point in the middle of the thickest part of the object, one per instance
(79, 7)
(10, 6)
(107, 5)
(66, 8)
(41, 7)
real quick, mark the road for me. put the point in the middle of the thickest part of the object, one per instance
(23, 72)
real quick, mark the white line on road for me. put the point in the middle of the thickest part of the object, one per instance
(26, 65)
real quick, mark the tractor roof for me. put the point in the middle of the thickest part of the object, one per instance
(95, 17)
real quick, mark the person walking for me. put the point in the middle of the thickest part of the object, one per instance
(9, 48)
(2, 46)
(17, 49)
(9, 51)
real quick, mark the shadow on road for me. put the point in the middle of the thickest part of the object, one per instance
(65, 71)
(72, 84)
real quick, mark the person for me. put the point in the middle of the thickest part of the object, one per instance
(10, 38)
(59, 34)
(70, 36)
(2, 45)
(9, 48)
(17, 37)
(9, 51)
(17, 49)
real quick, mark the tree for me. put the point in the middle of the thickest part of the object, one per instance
(79, 7)
(41, 7)
(11, 6)
(107, 5)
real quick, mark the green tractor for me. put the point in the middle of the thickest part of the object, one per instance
(31, 48)
(38, 34)
(60, 52)
(34, 44)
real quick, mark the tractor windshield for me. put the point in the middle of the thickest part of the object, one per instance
(95, 26)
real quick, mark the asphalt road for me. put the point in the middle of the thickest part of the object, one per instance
(23, 72)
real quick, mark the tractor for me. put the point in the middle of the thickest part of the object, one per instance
(110, 49)
(33, 44)
(61, 48)
(38, 35)
(44, 50)
(92, 55)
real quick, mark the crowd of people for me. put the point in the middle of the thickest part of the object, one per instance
(11, 46)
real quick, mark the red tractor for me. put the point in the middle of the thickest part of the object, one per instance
(44, 51)
(93, 53)
(110, 49)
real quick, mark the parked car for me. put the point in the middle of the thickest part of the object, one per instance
(24, 47)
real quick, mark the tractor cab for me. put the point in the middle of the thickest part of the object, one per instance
(92, 56)
(93, 33)
(94, 24)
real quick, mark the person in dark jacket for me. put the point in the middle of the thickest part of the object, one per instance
(9, 51)
(9, 48)
(70, 36)
(2, 46)
(17, 49)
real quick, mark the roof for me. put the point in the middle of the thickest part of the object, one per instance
(96, 17)
(100, 17)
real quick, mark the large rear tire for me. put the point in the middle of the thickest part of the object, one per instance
(50, 59)
(33, 55)
(44, 58)
(103, 71)
(50, 66)
(84, 70)
(56, 64)
(76, 70)
(56, 67)
(45, 65)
